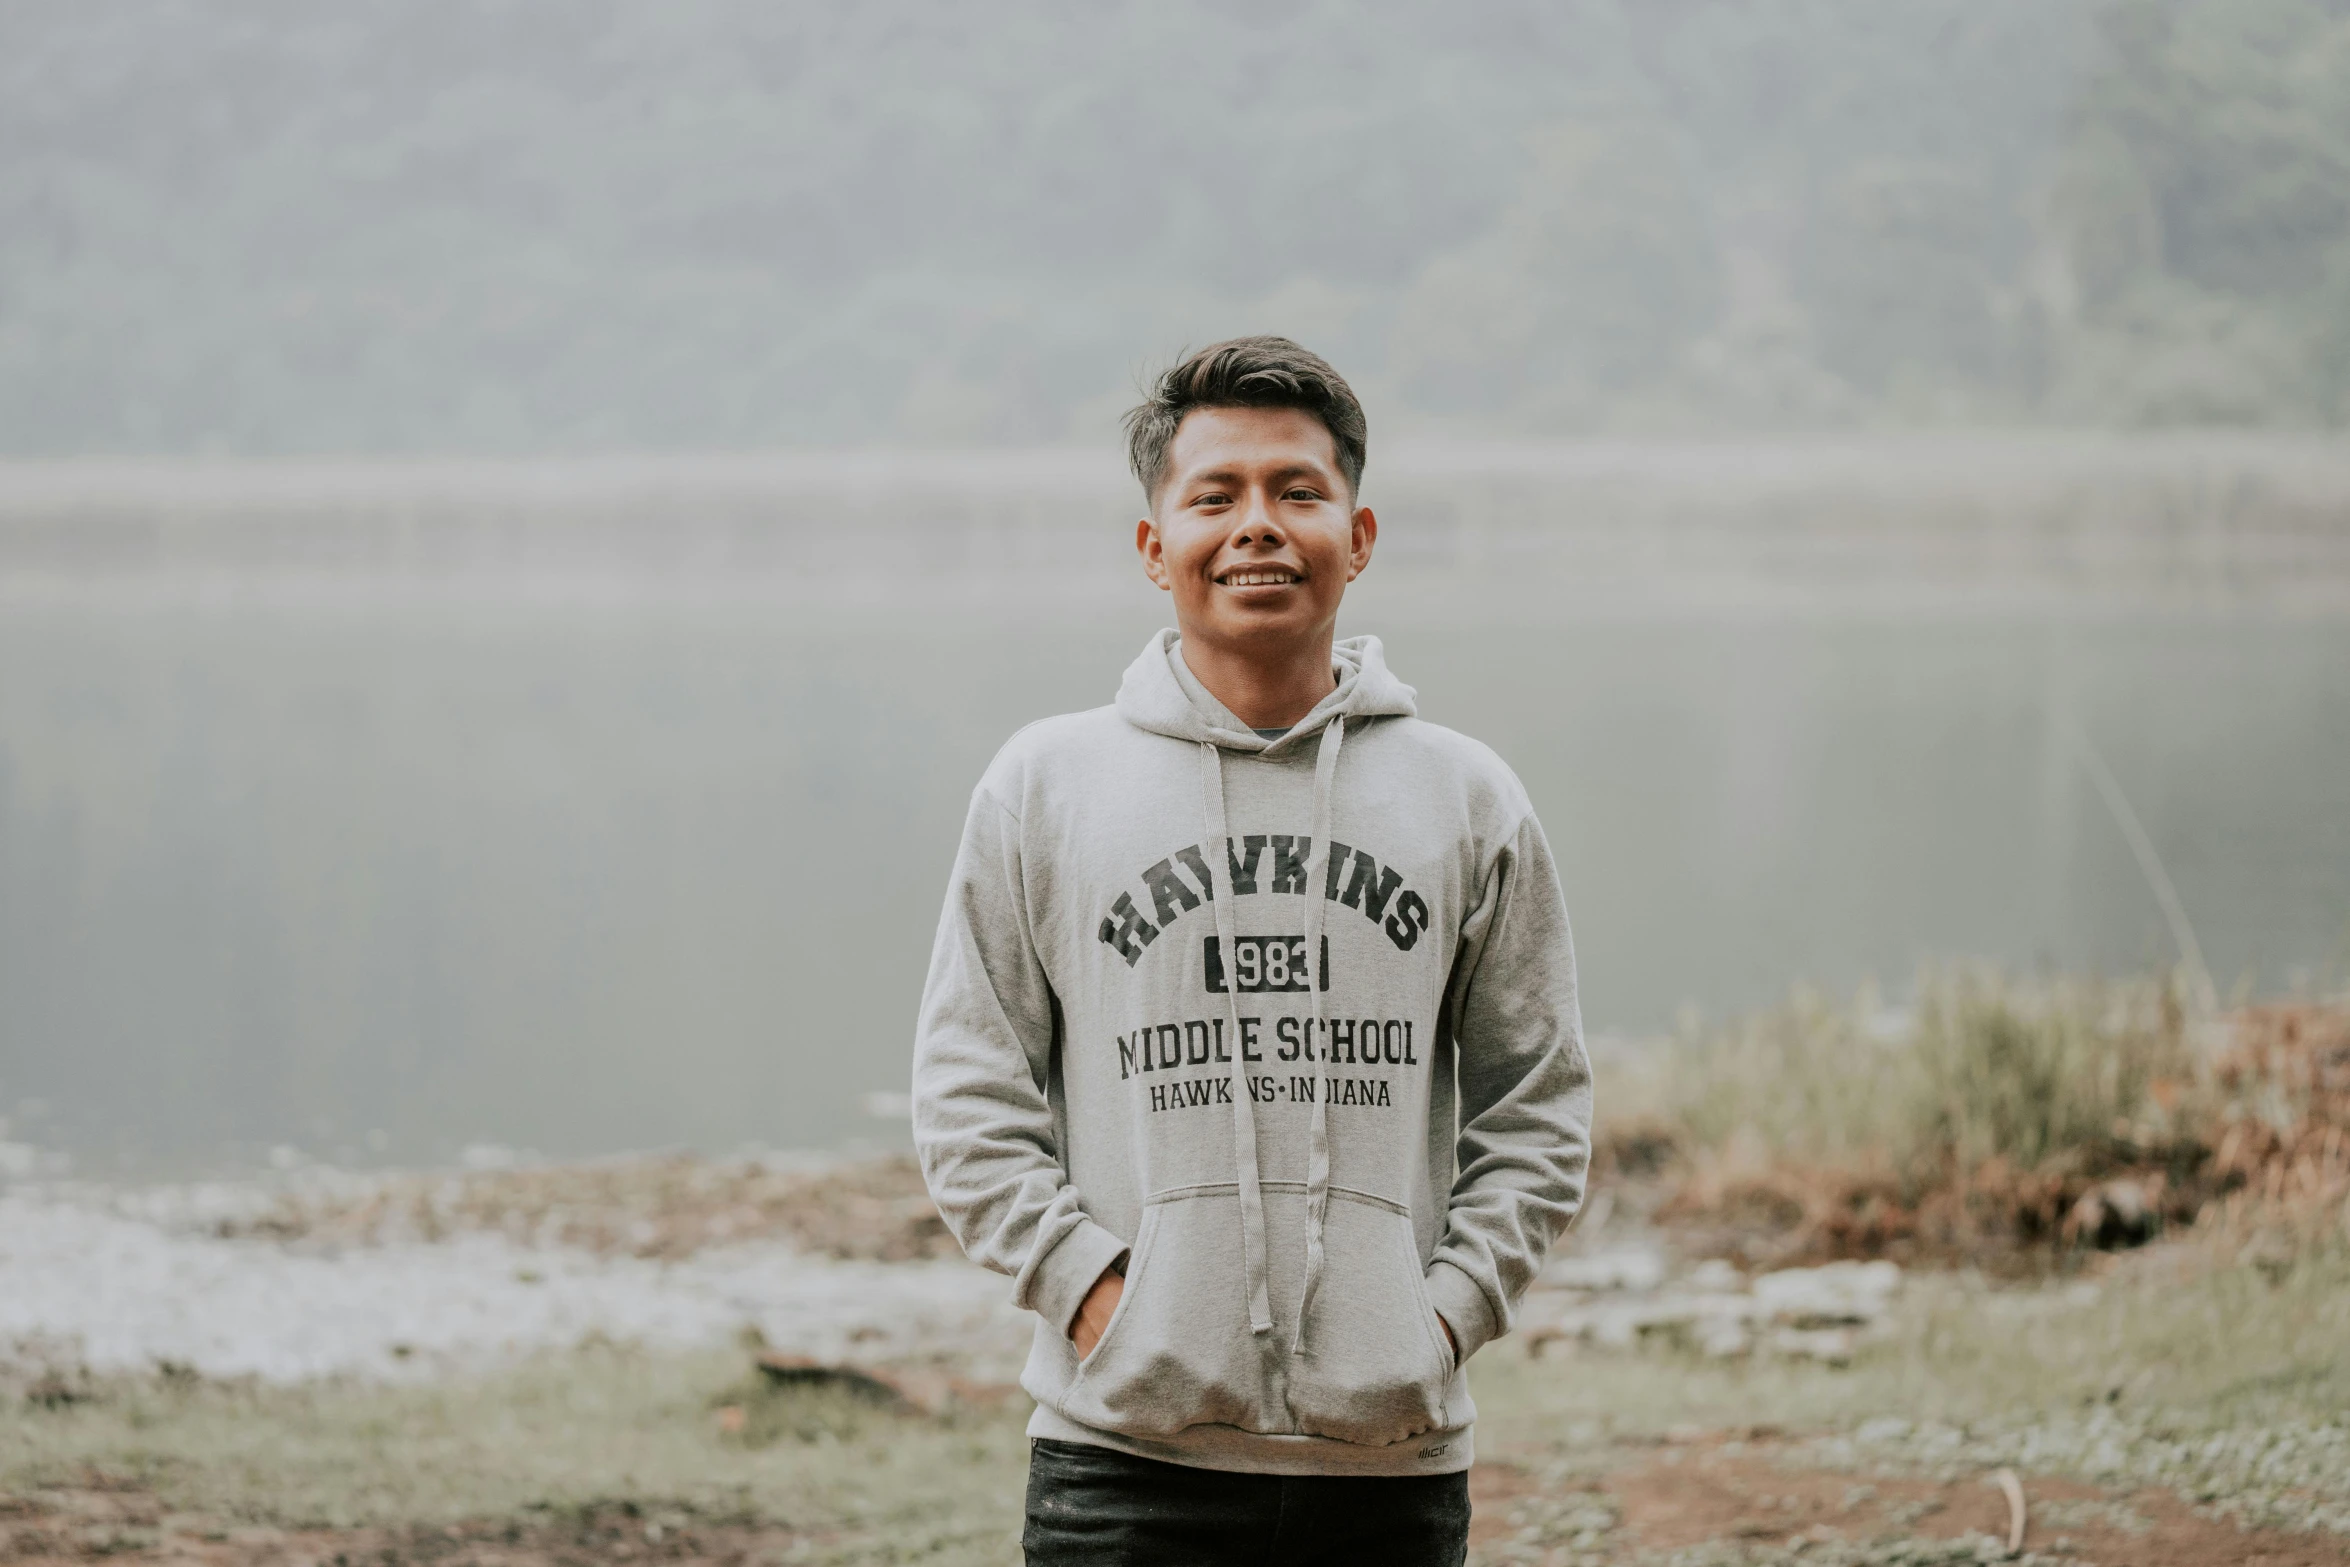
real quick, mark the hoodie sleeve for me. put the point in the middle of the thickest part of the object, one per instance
(1525, 1094)
(982, 1054)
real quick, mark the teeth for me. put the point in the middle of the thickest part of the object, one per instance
(1258, 579)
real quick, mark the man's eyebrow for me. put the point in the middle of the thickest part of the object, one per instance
(1222, 477)
(1285, 474)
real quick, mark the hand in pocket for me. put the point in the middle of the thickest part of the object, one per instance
(1094, 1312)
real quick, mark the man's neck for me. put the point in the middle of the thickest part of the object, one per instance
(1263, 693)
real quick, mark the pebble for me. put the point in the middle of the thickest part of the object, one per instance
(1617, 1297)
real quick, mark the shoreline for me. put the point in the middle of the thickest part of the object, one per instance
(288, 1280)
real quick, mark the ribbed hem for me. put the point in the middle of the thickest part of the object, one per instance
(1253, 1452)
(1064, 1274)
(1463, 1306)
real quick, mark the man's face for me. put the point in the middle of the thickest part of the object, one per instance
(1255, 532)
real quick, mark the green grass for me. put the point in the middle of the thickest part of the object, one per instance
(563, 1434)
(2225, 1348)
(2231, 1385)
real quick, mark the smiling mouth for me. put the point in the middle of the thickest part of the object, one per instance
(1260, 577)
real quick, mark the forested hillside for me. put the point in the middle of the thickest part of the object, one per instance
(517, 225)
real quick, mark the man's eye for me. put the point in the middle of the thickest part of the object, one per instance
(1213, 498)
(1303, 494)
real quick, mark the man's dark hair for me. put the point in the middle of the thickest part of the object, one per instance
(1245, 372)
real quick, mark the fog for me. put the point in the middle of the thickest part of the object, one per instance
(520, 525)
(430, 227)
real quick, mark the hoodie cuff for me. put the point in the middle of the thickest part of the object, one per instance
(1064, 1274)
(1461, 1303)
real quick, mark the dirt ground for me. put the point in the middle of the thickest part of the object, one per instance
(127, 1527)
(1721, 1496)
(1727, 1491)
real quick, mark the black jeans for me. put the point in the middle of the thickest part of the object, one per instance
(1093, 1507)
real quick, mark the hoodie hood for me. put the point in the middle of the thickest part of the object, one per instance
(1162, 696)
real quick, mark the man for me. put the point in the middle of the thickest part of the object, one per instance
(1250, 1047)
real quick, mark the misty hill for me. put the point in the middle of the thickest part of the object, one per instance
(400, 225)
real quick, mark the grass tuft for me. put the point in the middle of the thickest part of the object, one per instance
(1997, 1121)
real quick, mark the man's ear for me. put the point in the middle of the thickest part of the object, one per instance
(1366, 534)
(1153, 553)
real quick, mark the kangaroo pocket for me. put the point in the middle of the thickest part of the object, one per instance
(1375, 1367)
(1178, 1350)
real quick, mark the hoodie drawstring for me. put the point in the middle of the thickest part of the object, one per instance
(1318, 869)
(1244, 1116)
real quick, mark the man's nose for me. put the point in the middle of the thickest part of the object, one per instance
(1256, 522)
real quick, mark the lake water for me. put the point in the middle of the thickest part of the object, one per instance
(377, 813)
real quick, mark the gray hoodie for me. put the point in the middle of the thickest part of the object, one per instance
(1127, 1055)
